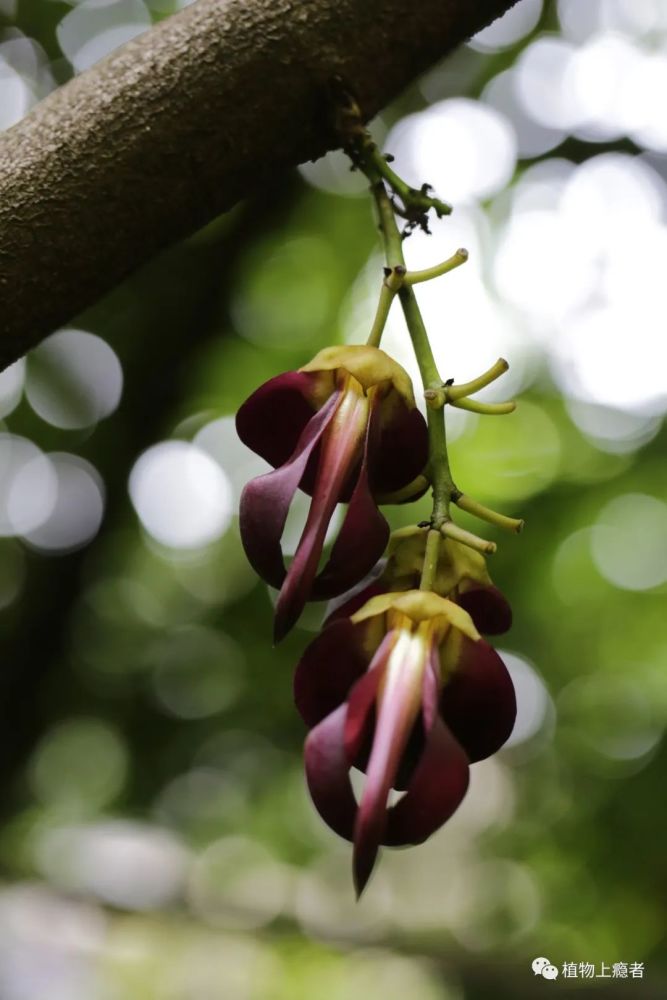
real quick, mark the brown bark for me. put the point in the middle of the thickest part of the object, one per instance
(181, 123)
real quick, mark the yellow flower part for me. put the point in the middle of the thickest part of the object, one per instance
(368, 365)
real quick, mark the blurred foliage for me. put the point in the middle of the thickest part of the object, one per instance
(157, 841)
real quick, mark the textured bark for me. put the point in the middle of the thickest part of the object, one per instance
(181, 123)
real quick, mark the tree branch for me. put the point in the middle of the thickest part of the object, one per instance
(182, 122)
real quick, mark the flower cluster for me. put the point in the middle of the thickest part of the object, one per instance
(406, 690)
(399, 684)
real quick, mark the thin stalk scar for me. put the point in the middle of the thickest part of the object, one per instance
(458, 534)
(458, 258)
(478, 509)
(455, 392)
(490, 409)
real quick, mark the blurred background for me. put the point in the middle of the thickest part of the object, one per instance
(156, 839)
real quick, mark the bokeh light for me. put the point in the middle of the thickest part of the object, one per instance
(74, 379)
(629, 541)
(621, 730)
(197, 671)
(11, 387)
(332, 173)
(464, 149)
(236, 883)
(94, 28)
(76, 515)
(130, 865)
(507, 30)
(532, 137)
(534, 708)
(220, 440)
(16, 98)
(266, 309)
(28, 486)
(544, 85)
(511, 459)
(182, 497)
(81, 764)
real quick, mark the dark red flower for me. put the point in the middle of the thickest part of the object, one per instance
(407, 691)
(345, 429)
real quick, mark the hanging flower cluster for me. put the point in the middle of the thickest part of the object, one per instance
(399, 684)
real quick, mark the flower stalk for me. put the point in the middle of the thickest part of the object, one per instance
(487, 409)
(478, 509)
(387, 187)
(431, 554)
(367, 157)
(451, 530)
(400, 683)
(428, 273)
(456, 392)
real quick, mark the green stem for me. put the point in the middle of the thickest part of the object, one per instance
(430, 566)
(458, 258)
(411, 197)
(487, 514)
(455, 392)
(366, 156)
(490, 409)
(452, 530)
(438, 465)
(381, 314)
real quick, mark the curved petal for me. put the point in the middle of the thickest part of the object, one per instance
(438, 786)
(478, 701)
(363, 536)
(338, 458)
(272, 420)
(487, 606)
(265, 502)
(329, 667)
(401, 450)
(362, 697)
(398, 710)
(361, 720)
(327, 774)
(431, 690)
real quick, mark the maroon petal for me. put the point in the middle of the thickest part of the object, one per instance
(487, 606)
(438, 786)
(327, 670)
(396, 715)
(401, 451)
(362, 697)
(478, 701)
(363, 536)
(265, 502)
(327, 774)
(431, 690)
(339, 455)
(272, 420)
